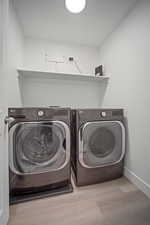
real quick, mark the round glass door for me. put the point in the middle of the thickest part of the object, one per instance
(39, 147)
(101, 143)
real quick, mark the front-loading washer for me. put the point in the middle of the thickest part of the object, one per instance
(39, 150)
(98, 145)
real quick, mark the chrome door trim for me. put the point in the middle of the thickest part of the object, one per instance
(11, 145)
(80, 140)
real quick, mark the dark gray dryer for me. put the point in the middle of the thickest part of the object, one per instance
(98, 144)
(39, 149)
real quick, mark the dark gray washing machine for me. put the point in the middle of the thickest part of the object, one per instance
(39, 149)
(98, 145)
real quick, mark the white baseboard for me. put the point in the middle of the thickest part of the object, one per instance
(141, 184)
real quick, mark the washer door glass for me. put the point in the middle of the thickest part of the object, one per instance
(39, 147)
(102, 143)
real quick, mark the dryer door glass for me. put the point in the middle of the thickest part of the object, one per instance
(39, 147)
(102, 143)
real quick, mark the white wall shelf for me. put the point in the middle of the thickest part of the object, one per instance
(57, 75)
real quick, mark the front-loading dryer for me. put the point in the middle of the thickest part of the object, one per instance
(98, 145)
(39, 149)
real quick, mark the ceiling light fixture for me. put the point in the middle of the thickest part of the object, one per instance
(75, 6)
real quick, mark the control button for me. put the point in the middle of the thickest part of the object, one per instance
(103, 114)
(40, 113)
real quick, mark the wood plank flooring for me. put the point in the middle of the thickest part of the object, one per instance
(112, 203)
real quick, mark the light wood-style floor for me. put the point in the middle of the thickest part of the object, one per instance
(113, 203)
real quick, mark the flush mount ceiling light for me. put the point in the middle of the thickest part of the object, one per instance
(75, 6)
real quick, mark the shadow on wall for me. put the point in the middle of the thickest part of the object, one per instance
(46, 92)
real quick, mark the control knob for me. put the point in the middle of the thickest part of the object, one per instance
(103, 114)
(40, 113)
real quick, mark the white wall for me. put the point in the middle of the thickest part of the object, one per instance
(11, 50)
(66, 93)
(45, 92)
(15, 57)
(126, 56)
(4, 196)
(35, 49)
